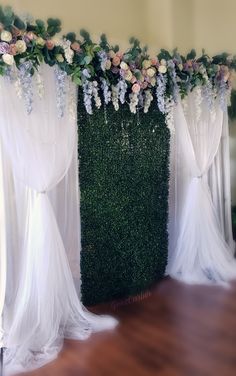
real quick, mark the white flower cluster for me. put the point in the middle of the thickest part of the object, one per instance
(148, 98)
(39, 83)
(88, 92)
(160, 92)
(72, 101)
(115, 97)
(134, 99)
(69, 53)
(169, 111)
(122, 87)
(106, 91)
(95, 94)
(103, 59)
(198, 102)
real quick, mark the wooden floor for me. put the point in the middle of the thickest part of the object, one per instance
(176, 330)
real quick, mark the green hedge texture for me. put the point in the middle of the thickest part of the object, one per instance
(124, 173)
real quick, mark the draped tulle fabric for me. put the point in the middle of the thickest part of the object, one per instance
(200, 238)
(41, 196)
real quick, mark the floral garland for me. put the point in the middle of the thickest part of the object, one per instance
(103, 71)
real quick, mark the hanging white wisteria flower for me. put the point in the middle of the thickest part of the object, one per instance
(173, 75)
(69, 53)
(160, 92)
(169, 113)
(106, 91)
(115, 97)
(197, 102)
(72, 100)
(103, 60)
(39, 83)
(122, 87)
(95, 94)
(88, 92)
(134, 99)
(25, 78)
(60, 77)
(148, 98)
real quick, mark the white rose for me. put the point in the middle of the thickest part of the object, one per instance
(20, 46)
(59, 58)
(8, 59)
(124, 66)
(151, 72)
(162, 69)
(163, 62)
(6, 36)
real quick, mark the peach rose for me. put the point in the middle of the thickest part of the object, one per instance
(116, 61)
(154, 61)
(75, 46)
(119, 54)
(12, 49)
(136, 88)
(50, 44)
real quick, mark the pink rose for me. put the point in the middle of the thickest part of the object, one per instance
(12, 49)
(136, 88)
(119, 54)
(154, 61)
(134, 79)
(144, 85)
(30, 35)
(116, 61)
(75, 46)
(50, 44)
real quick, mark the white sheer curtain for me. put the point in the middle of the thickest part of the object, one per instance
(2, 247)
(200, 243)
(42, 305)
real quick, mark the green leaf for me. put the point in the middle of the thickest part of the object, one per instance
(40, 24)
(19, 23)
(71, 37)
(191, 55)
(87, 59)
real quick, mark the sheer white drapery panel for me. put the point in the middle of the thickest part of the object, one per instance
(42, 305)
(2, 246)
(200, 244)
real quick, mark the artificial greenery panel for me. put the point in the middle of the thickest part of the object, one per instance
(124, 189)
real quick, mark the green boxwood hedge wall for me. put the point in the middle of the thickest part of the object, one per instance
(124, 172)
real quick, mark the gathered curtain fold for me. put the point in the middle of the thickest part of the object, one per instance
(198, 247)
(42, 305)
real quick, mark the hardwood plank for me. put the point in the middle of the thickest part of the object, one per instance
(176, 330)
